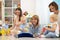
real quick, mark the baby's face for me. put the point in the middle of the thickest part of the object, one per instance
(6, 22)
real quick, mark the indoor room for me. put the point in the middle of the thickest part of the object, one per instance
(29, 19)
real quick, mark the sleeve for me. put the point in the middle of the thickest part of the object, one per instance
(39, 30)
(30, 30)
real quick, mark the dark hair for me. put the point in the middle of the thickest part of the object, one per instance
(6, 19)
(20, 13)
(25, 13)
(54, 4)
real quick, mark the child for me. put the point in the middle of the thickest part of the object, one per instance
(2, 30)
(6, 26)
(24, 25)
(34, 26)
(53, 31)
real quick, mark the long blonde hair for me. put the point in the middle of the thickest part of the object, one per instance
(37, 18)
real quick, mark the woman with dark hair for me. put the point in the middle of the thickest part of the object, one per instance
(19, 13)
(18, 20)
(17, 17)
(53, 6)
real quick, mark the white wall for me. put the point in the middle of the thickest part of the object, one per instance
(28, 5)
(38, 7)
(43, 10)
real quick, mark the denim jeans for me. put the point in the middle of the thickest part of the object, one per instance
(49, 34)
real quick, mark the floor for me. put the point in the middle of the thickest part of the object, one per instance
(13, 38)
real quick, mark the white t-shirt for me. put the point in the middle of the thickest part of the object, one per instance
(57, 29)
(59, 18)
(51, 13)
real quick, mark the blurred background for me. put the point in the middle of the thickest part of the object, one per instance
(38, 7)
(33, 7)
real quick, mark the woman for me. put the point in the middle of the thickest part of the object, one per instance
(53, 6)
(18, 15)
(18, 20)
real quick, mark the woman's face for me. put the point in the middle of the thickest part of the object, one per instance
(17, 12)
(34, 21)
(52, 8)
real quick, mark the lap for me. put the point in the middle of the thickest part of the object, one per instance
(51, 34)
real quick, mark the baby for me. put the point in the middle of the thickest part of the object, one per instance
(53, 30)
(6, 26)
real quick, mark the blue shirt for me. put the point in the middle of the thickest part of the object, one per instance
(5, 26)
(22, 26)
(35, 31)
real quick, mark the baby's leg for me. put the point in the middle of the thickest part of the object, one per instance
(46, 32)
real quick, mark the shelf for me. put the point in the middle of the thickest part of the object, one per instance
(15, 3)
(10, 24)
(8, 3)
(14, 7)
(8, 16)
(0, 12)
(8, 12)
(0, 15)
(8, 7)
(14, 10)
